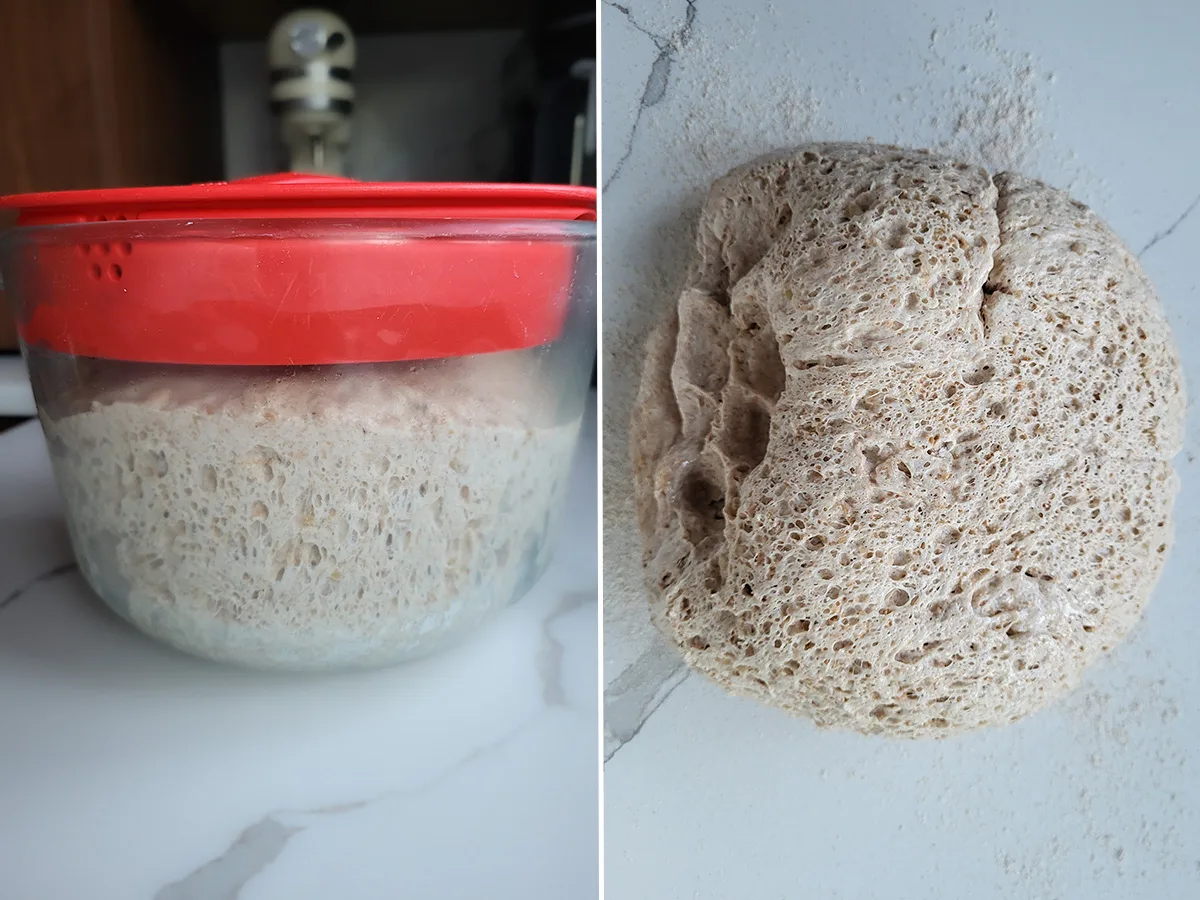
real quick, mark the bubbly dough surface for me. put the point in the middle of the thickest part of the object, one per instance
(903, 447)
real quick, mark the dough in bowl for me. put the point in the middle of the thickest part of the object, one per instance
(903, 447)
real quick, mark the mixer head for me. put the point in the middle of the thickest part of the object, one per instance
(311, 54)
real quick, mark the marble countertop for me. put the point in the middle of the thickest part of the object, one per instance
(129, 771)
(707, 796)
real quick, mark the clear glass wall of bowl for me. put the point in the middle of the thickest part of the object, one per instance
(336, 503)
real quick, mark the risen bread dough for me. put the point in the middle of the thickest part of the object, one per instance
(903, 448)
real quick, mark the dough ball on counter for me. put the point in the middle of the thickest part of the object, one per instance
(903, 446)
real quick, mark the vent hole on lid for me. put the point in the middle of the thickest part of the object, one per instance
(106, 248)
(94, 270)
(115, 273)
(124, 248)
(85, 249)
(118, 218)
(101, 218)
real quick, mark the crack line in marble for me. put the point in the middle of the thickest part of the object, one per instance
(550, 653)
(17, 593)
(260, 844)
(610, 752)
(637, 693)
(659, 76)
(1171, 229)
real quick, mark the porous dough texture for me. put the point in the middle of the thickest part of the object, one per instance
(902, 449)
(332, 517)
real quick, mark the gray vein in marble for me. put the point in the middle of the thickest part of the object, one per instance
(224, 877)
(1170, 230)
(659, 76)
(635, 695)
(17, 593)
(259, 845)
(550, 653)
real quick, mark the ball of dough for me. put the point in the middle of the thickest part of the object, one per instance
(903, 447)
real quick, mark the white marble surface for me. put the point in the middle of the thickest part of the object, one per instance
(712, 797)
(129, 771)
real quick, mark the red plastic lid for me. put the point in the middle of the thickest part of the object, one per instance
(314, 270)
(293, 194)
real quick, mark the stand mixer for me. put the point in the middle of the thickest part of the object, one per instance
(311, 54)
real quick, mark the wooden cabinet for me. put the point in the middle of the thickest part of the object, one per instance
(105, 93)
